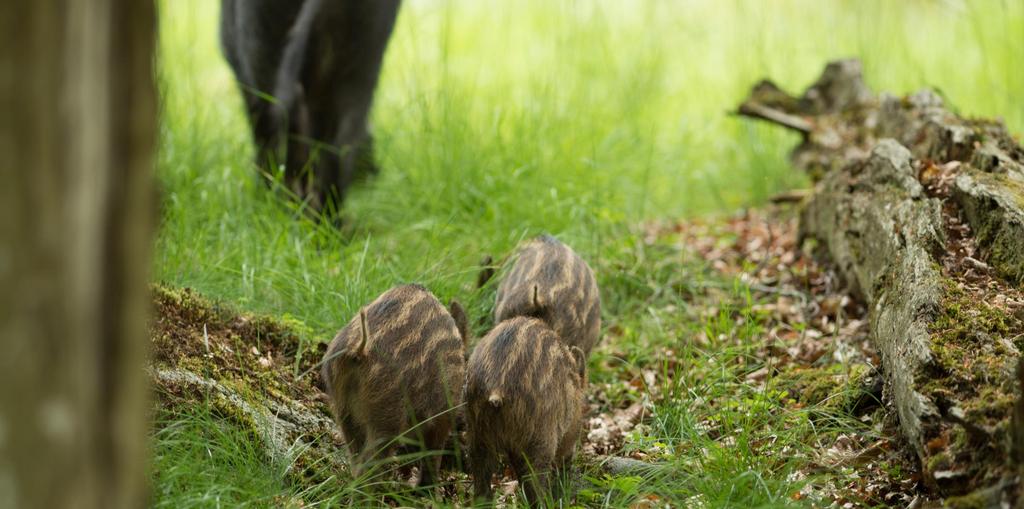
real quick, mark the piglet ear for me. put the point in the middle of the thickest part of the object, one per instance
(461, 322)
(581, 361)
(486, 271)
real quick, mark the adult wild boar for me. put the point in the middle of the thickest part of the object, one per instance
(307, 70)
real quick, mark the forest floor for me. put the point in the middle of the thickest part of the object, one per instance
(743, 376)
(731, 361)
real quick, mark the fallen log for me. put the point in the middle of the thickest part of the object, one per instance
(922, 213)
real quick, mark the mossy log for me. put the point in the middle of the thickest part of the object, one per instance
(922, 213)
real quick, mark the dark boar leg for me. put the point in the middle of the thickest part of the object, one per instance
(435, 438)
(531, 468)
(355, 437)
(334, 56)
(567, 448)
(264, 132)
(253, 34)
(563, 459)
(376, 447)
(453, 457)
(482, 464)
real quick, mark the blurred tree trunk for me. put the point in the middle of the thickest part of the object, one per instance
(77, 128)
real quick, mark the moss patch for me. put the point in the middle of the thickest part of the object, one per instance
(979, 499)
(216, 342)
(835, 387)
(970, 379)
(995, 209)
(970, 341)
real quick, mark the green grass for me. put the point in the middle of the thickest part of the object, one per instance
(201, 460)
(496, 121)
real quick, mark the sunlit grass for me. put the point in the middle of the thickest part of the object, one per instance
(496, 121)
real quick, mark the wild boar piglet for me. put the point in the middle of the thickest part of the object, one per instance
(524, 397)
(397, 369)
(548, 280)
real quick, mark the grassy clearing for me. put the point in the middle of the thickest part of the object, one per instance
(498, 121)
(747, 406)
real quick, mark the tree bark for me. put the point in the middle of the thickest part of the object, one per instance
(77, 133)
(922, 212)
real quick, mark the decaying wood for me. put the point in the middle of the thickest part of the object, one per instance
(922, 212)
